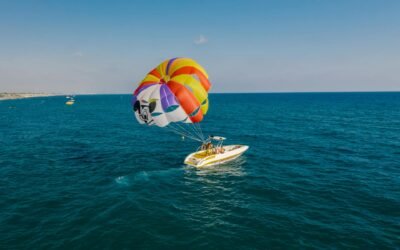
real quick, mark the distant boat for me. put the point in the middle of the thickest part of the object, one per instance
(70, 102)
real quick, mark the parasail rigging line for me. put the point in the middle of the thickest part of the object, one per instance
(180, 132)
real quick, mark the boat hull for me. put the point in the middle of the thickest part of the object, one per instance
(202, 159)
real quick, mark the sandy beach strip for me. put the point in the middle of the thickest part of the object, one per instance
(11, 96)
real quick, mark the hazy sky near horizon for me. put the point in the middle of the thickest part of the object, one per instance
(246, 46)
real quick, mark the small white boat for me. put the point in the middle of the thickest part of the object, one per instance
(70, 102)
(210, 155)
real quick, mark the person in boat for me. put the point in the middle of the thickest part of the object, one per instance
(208, 147)
(220, 150)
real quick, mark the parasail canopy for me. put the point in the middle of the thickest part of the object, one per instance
(173, 93)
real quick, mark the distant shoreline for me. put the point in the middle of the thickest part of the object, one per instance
(13, 96)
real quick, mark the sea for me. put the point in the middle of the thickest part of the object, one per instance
(322, 172)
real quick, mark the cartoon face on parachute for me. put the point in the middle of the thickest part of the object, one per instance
(175, 91)
(143, 109)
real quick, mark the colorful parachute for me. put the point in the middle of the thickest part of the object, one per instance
(176, 91)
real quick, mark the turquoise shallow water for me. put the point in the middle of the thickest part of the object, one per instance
(322, 171)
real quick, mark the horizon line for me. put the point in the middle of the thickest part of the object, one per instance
(250, 92)
(262, 92)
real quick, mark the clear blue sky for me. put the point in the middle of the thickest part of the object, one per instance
(246, 46)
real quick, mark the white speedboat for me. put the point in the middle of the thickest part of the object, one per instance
(210, 155)
(70, 102)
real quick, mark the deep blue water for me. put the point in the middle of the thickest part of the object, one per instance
(322, 171)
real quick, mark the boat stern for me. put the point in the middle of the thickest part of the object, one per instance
(192, 161)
